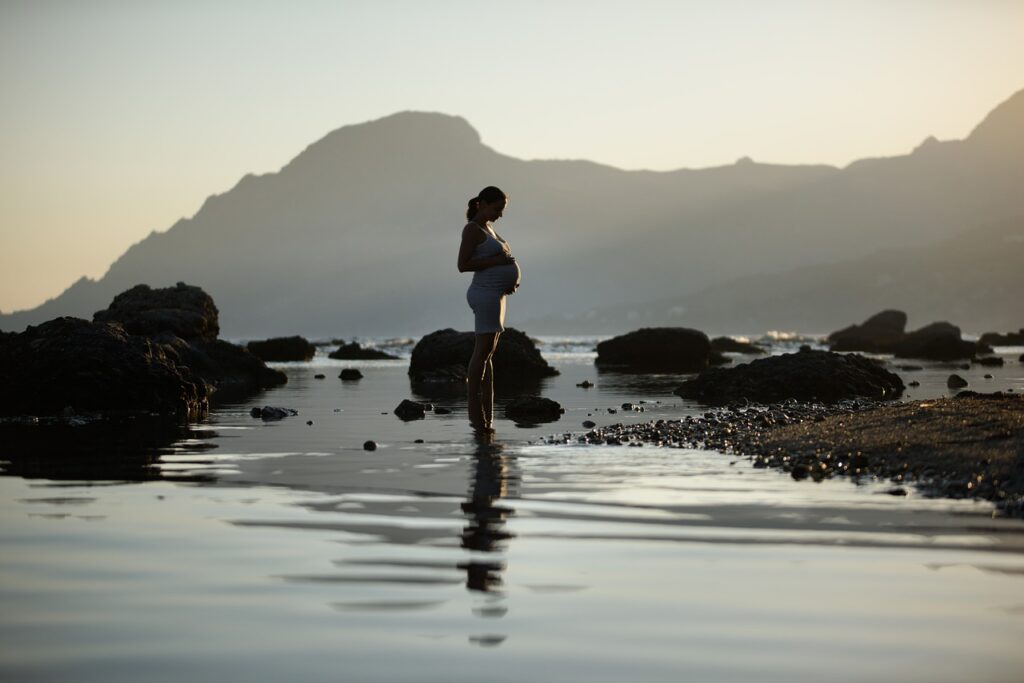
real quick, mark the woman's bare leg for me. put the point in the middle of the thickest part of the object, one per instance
(487, 392)
(478, 362)
(487, 385)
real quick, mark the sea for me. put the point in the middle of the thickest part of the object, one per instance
(244, 550)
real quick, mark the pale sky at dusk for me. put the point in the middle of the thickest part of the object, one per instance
(120, 117)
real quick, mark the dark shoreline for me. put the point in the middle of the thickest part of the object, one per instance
(969, 446)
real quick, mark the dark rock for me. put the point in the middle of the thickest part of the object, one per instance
(319, 376)
(988, 376)
(877, 334)
(533, 409)
(282, 349)
(656, 349)
(183, 311)
(627, 406)
(183, 320)
(956, 382)
(589, 424)
(1008, 339)
(268, 413)
(410, 410)
(441, 357)
(730, 345)
(94, 366)
(1021, 359)
(989, 361)
(230, 369)
(350, 374)
(915, 383)
(804, 376)
(418, 441)
(897, 491)
(585, 384)
(938, 341)
(369, 446)
(442, 411)
(354, 351)
(309, 423)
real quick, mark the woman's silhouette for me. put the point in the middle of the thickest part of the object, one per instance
(495, 275)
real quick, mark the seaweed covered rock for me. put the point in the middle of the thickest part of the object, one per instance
(441, 357)
(657, 349)
(183, 310)
(804, 376)
(354, 351)
(877, 334)
(280, 349)
(73, 365)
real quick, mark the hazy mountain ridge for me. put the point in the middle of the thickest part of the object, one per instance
(962, 280)
(358, 233)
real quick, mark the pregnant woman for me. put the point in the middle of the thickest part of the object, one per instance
(495, 275)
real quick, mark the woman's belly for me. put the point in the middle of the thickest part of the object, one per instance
(499, 278)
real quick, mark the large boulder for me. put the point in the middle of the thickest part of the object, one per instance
(354, 351)
(657, 349)
(804, 376)
(184, 320)
(1008, 339)
(70, 365)
(183, 310)
(441, 357)
(280, 349)
(938, 341)
(877, 334)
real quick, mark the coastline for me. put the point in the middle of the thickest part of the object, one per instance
(967, 446)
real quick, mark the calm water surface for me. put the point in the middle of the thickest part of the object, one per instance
(273, 551)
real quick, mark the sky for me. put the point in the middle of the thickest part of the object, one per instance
(120, 117)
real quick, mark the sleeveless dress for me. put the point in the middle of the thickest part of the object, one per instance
(486, 293)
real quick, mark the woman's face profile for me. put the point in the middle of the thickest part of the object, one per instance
(493, 212)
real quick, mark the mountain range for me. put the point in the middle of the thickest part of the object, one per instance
(357, 236)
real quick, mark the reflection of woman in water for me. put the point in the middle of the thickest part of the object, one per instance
(495, 275)
(485, 532)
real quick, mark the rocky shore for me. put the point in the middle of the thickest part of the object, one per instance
(969, 446)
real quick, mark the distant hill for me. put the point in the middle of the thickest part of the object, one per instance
(358, 234)
(973, 280)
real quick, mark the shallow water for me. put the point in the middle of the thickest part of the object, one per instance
(305, 557)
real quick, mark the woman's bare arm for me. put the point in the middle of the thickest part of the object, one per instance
(471, 237)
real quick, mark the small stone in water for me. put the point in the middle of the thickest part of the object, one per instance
(588, 424)
(309, 422)
(319, 376)
(370, 445)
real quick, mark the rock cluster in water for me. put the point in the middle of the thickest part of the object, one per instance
(152, 351)
(1008, 339)
(885, 333)
(804, 376)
